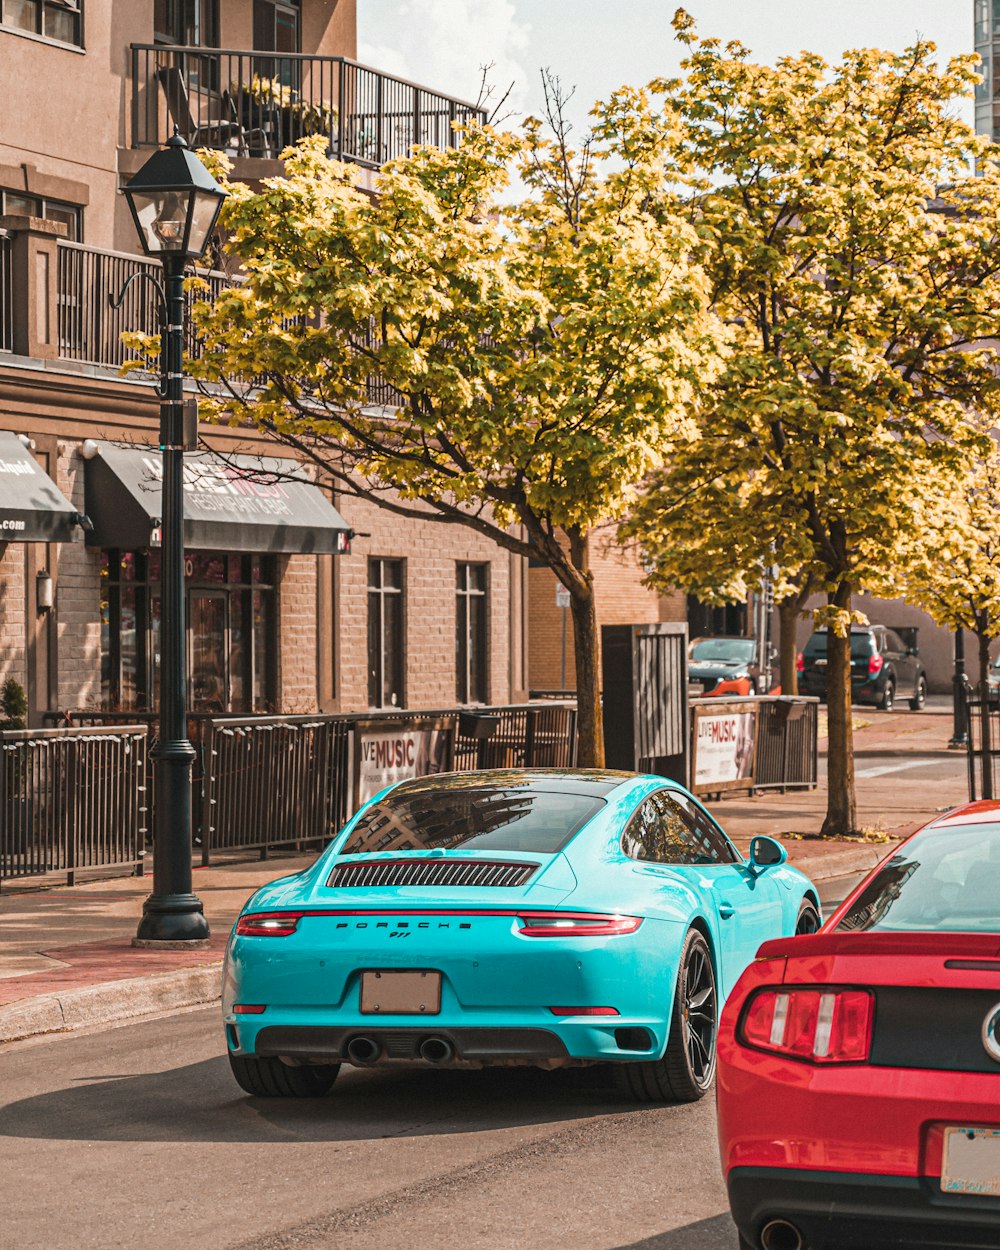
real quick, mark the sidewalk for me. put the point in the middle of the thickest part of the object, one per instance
(67, 962)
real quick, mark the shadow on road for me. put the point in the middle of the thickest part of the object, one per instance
(200, 1102)
(713, 1234)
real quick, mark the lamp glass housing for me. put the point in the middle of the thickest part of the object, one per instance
(175, 222)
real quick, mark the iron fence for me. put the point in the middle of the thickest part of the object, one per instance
(274, 780)
(72, 799)
(268, 781)
(258, 103)
(787, 747)
(6, 294)
(984, 775)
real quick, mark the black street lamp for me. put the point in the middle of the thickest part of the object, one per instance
(175, 203)
(960, 695)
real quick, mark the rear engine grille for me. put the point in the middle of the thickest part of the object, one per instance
(403, 872)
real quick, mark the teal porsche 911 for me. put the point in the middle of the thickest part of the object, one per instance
(508, 917)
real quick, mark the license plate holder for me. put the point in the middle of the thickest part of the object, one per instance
(389, 992)
(971, 1162)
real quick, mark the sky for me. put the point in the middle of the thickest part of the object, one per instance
(597, 45)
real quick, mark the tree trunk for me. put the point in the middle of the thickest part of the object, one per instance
(986, 758)
(590, 725)
(788, 652)
(841, 807)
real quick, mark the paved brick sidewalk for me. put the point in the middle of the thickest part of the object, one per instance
(67, 961)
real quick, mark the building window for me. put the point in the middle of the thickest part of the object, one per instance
(471, 650)
(55, 19)
(190, 23)
(19, 203)
(386, 647)
(231, 631)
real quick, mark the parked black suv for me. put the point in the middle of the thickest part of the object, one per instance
(883, 666)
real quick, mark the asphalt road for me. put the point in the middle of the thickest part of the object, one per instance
(138, 1136)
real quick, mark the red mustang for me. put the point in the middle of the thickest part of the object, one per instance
(859, 1067)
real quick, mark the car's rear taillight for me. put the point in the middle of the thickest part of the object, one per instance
(875, 664)
(575, 924)
(268, 924)
(819, 1026)
(800, 662)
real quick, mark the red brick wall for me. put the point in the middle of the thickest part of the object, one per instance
(12, 655)
(430, 551)
(621, 600)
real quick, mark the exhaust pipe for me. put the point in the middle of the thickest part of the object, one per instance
(781, 1235)
(436, 1050)
(364, 1051)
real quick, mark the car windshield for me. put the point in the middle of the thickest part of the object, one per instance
(477, 818)
(729, 650)
(861, 645)
(947, 879)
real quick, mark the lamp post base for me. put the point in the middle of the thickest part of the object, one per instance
(171, 920)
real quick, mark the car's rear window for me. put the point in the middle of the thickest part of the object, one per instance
(861, 645)
(947, 879)
(730, 650)
(494, 819)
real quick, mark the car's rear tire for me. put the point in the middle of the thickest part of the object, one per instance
(809, 919)
(920, 698)
(888, 697)
(270, 1078)
(686, 1071)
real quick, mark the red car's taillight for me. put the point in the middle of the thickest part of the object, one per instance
(875, 664)
(575, 924)
(268, 924)
(819, 1026)
(800, 662)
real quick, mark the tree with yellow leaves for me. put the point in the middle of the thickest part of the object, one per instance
(856, 259)
(534, 358)
(954, 574)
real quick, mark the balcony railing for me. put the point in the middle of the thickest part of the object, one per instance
(257, 103)
(90, 329)
(6, 294)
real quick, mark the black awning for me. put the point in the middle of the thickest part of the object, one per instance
(32, 507)
(232, 503)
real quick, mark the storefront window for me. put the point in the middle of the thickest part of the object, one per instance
(231, 625)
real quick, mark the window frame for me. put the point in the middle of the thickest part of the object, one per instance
(689, 810)
(42, 9)
(43, 203)
(467, 598)
(378, 592)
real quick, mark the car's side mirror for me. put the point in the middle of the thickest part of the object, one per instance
(766, 853)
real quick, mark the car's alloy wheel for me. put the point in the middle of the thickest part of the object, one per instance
(888, 697)
(270, 1078)
(685, 1072)
(920, 698)
(809, 919)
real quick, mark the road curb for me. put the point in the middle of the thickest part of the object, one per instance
(821, 865)
(109, 1003)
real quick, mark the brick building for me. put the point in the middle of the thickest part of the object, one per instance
(416, 614)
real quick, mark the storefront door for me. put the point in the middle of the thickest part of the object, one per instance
(208, 647)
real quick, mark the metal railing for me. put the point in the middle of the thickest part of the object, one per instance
(787, 745)
(984, 774)
(90, 329)
(72, 799)
(258, 103)
(265, 781)
(274, 780)
(6, 294)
